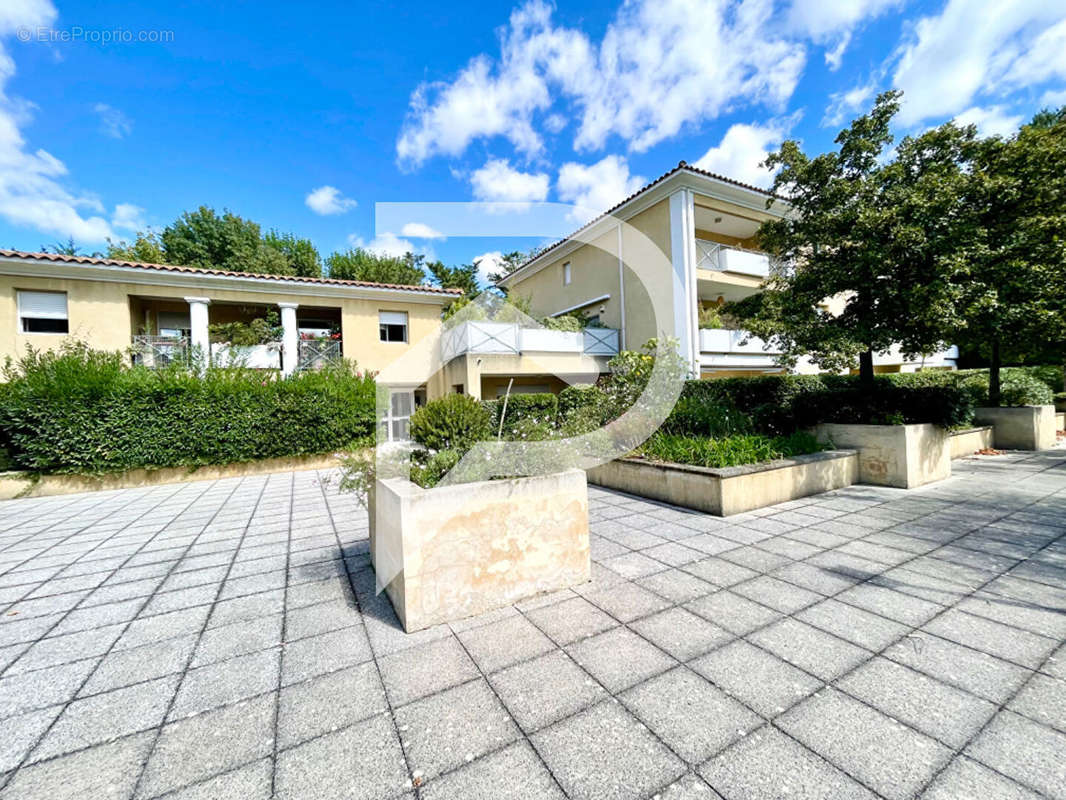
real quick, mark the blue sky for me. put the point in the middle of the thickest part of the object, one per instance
(302, 119)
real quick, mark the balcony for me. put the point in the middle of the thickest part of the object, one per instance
(721, 347)
(506, 338)
(717, 257)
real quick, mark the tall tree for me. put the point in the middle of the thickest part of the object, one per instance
(508, 263)
(358, 264)
(300, 254)
(869, 237)
(462, 276)
(1015, 288)
(202, 238)
(67, 248)
(145, 248)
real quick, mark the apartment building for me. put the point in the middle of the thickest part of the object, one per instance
(691, 235)
(160, 313)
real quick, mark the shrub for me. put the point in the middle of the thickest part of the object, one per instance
(453, 422)
(887, 404)
(427, 470)
(768, 401)
(81, 410)
(580, 396)
(727, 451)
(696, 417)
(568, 323)
(541, 407)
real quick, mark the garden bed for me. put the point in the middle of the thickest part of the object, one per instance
(903, 456)
(968, 441)
(1020, 427)
(730, 490)
(451, 552)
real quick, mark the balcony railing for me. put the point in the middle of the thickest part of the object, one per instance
(721, 258)
(510, 339)
(256, 356)
(317, 353)
(157, 352)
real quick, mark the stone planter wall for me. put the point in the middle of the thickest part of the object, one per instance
(451, 552)
(1020, 427)
(731, 490)
(967, 442)
(904, 456)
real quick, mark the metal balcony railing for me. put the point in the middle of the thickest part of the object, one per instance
(317, 353)
(156, 352)
(722, 258)
(509, 338)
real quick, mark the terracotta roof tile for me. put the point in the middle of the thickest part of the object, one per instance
(110, 262)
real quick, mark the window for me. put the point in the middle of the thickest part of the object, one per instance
(392, 326)
(396, 425)
(43, 312)
(566, 274)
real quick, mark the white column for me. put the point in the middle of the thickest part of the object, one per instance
(290, 338)
(201, 341)
(683, 256)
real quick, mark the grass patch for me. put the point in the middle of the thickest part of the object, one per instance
(727, 451)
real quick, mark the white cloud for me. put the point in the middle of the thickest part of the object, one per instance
(977, 48)
(498, 182)
(843, 105)
(113, 122)
(594, 188)
(661, 65)
(831, 22)
(486, 263)
(1053, 99)
(128, 217)
(33, 192)
(990, 121)
(419, 230)
(326, 200)
(388, 244)
(742, 151)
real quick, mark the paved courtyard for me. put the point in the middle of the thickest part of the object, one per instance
(222, 640)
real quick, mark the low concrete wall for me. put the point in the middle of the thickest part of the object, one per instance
(1020, 427)
(1060, 422)
(969, 441)
(454, 551)
(24, 484)
(732, 490)
(903, 456)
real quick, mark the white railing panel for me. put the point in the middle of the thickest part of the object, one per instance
(491, 337)
(543, 340)
(259, 356)
(744, 262)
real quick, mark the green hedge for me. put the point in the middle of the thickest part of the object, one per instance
(539, 409)
(85, 411)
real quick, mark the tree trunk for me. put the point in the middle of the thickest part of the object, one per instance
(866, 369)
(993, 376)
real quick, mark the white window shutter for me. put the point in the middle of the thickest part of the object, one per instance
(392, 317)
(43, 305)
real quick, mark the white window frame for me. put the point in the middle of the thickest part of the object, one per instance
(64, 315)
(567, 274)
(391, 418)
(383, 317)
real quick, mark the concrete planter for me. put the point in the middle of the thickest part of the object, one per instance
(1020, 427)
(1060, 422)
(967, 442)
(731, 490)
(455, 551)
(903, 456)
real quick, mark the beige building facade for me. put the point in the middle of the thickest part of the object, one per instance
(656, 263)
(155, 310)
